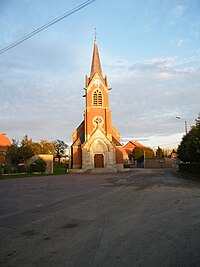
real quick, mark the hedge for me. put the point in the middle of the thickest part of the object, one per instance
(190, 168)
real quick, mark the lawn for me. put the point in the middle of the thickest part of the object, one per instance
(58, 169)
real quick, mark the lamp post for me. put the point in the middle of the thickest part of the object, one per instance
(185, 123)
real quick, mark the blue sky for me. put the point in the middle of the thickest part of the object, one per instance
(149, 50)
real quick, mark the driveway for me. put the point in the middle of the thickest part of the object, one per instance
(138, 218)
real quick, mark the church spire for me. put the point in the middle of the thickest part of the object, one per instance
(96, 64)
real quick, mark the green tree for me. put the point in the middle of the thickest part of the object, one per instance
(159, 153)
(39, 165)
(149, 153)
(25, 150)
(139, 153)
(36, 148)
(19, 153)
(47, 147)
(13, 155)
(189, 148)
(43, 147)
(60, 148)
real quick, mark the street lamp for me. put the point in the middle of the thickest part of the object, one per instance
(185, 123)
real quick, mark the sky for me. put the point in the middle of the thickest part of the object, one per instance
(150, 51)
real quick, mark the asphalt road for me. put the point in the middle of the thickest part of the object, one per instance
(139, 218)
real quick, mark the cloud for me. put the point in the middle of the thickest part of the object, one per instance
(169, 141)
(157, 68)
(175, 15)
(177, 12)
(42, 80)
(160, 65)
(147, 96)
(180, 42)
(128, 138)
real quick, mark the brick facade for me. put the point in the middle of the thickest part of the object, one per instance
(4, 144)
(96, 143)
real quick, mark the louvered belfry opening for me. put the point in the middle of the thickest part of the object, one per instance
(97, 98)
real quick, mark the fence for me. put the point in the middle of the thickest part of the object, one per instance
(159, 163)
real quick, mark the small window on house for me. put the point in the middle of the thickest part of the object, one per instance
(97, 98)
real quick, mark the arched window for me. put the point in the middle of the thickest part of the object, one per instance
(97, 98)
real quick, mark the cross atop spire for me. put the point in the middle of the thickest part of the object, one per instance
(96, 64)
(95, 34)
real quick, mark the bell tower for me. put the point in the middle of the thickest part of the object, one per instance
(96, 143)
(97, 111)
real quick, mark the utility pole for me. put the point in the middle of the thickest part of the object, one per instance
(185, 123)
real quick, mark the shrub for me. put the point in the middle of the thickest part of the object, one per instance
(127, 166)
(6, 169)
(190, 168)
(38, 165)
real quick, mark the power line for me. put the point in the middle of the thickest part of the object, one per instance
(50, 23)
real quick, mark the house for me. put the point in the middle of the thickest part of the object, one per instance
(129, 147)
(4, 144)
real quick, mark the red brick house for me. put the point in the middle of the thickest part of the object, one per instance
(4, 144)
(129, 147)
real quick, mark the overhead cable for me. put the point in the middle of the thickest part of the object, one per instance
(50, 23)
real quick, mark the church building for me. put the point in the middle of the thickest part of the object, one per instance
(96, 143)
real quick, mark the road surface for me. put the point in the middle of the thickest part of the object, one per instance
(138, 218)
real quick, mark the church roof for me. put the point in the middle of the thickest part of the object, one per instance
(4, 141)
(79, 141)
(115, 141)
(96, 64)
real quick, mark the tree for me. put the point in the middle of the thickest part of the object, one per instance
(13, 156)
(149, 153)
(36, 148)
(19, 153)
(159, 153)
(189, 148)
(39, 165)
(43, 147)
(47, 147)
(182, 149)
(139, 153)
(25, 150)
(60, 148)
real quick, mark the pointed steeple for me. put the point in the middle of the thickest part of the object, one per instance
(96, 64)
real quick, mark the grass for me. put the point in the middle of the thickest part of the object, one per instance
(20, 175)
(58, 169)
(190, 176)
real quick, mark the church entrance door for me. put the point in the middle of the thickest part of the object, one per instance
(98, 161)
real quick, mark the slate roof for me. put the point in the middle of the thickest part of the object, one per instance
(79, 141)
(96, 64)
(117, 143)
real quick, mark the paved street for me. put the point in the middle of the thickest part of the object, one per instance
(138, 218)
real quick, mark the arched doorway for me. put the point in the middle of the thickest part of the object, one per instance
(98, 161)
